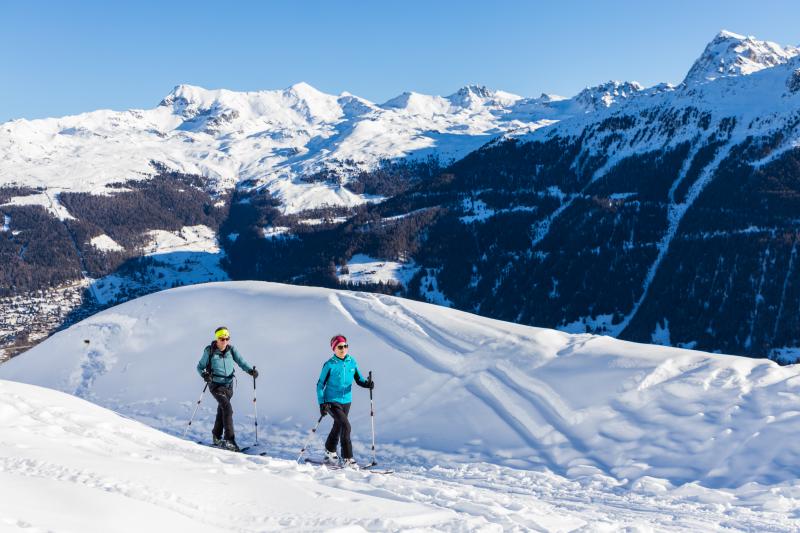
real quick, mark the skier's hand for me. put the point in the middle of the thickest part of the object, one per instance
(207, 377)
(323, 409)
(254, 373)
(370, 384)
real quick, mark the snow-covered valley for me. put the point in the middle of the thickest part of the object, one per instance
(489, 425)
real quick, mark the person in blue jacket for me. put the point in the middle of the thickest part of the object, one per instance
(334, 397)
(216, 367)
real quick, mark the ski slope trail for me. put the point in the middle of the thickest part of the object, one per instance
(503, 424)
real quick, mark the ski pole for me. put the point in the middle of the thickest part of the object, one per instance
(372, 418)
(311, 434)
(195, 409)
(255, 405)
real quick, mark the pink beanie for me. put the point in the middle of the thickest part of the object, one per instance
(336, 340)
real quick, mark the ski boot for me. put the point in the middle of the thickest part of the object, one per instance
(330, 458)
(351, 463)
(230, 445)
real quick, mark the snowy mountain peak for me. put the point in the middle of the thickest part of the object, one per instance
(478, 91)
(184, 94)
(479, 95)
(415, 103)
(725, 34)
(199, 105)
(354, 106)
(545, 97)
(470, 95)
(307, 92)
(731, 54)
(606, 94)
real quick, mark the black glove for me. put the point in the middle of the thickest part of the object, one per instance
(323, 409)
(206, 376)
(254, 373)
(370, 384)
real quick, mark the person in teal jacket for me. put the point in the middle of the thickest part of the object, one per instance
(216, 367)
(334, 398)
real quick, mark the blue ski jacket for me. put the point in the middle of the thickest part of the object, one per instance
(336, 380)
(222, 363)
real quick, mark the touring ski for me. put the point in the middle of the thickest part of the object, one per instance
(368, 468)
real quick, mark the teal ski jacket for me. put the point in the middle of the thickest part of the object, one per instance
(222, 363)
(336, 380)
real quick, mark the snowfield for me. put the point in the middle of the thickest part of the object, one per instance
(489, 425)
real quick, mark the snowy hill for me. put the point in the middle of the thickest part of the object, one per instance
(487, 423)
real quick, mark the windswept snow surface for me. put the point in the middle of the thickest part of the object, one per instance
(487, 423)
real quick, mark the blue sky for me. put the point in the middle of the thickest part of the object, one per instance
(60, 58)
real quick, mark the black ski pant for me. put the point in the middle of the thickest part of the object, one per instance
(223, 394)
(340, 432)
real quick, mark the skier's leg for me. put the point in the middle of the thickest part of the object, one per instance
(217, 431)
(347, 445)
(333, 437)
(223, 395)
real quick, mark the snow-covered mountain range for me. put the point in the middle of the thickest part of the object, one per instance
(488, 425)
(271, 139)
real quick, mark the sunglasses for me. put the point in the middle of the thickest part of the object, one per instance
(341, 346)
(225, 339)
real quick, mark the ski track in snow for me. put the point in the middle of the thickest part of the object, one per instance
(494, 385)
